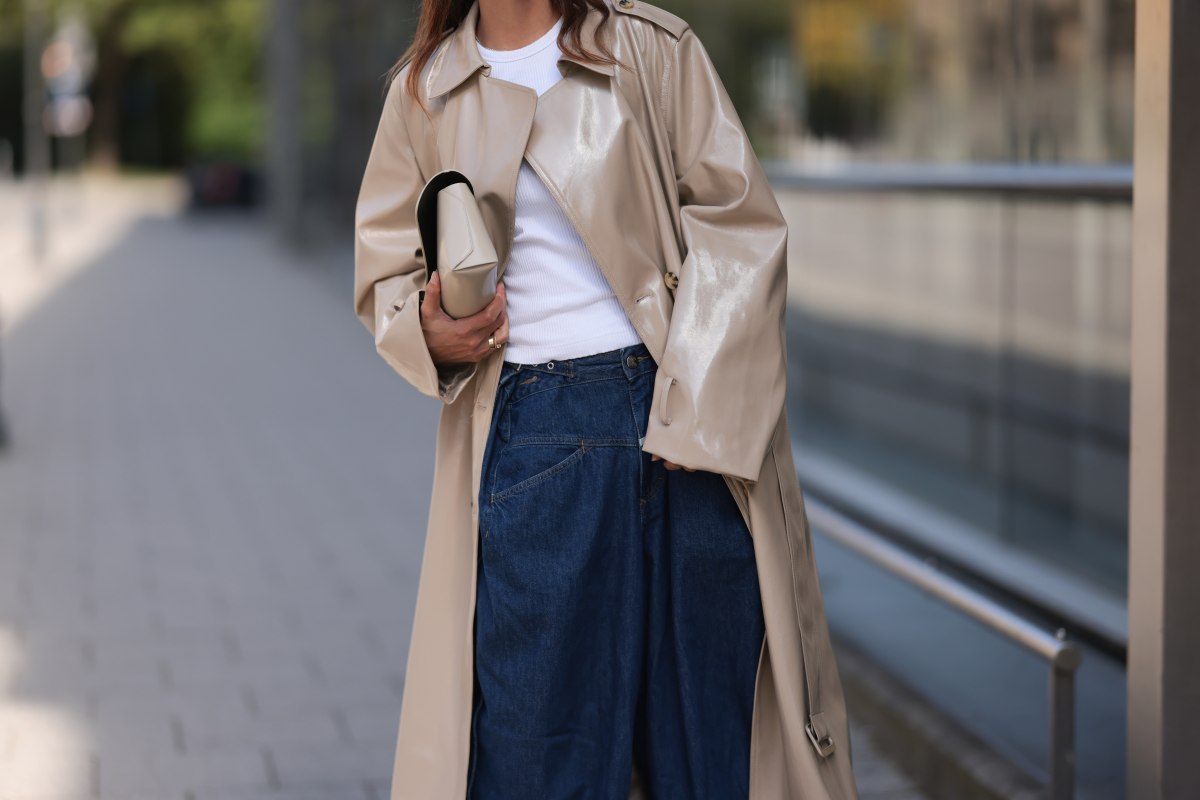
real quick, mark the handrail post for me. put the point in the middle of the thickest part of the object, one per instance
(1062, 722)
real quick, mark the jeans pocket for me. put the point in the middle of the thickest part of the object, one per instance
(521, 467)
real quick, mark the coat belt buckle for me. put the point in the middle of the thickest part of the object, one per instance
(824, 744)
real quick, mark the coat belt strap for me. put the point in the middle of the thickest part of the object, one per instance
(818, 734)
(817, 728)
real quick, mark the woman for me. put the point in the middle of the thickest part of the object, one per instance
(618, 595)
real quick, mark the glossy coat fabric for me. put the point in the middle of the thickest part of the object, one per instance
(650, 162)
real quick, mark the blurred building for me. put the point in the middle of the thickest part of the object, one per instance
(958, 179)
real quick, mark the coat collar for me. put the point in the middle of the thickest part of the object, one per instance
(460, 58)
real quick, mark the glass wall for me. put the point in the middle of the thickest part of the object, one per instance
(972, 354)
(955, 175)
(830, 81)
(956, 178)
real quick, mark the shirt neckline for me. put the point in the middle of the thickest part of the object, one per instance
(536, 46)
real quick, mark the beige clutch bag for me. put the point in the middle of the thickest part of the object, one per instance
(456, 243)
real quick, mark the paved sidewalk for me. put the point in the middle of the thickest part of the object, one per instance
(211, 519)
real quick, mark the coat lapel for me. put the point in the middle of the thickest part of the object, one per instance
(475, 102)
(490, 161)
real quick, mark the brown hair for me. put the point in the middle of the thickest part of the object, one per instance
(440, 17)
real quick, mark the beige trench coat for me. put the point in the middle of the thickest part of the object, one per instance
(650, 162)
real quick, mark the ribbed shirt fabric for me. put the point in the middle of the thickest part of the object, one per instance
(560, 305)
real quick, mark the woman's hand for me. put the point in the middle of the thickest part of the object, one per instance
(465, 340)
(669, 464)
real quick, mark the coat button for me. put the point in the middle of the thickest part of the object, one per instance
(625, 3)
(672, 281)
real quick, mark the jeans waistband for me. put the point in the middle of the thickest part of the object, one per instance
(631, 358)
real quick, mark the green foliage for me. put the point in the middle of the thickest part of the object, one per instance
(219, 44)
(12, 17)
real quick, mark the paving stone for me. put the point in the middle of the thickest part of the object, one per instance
(176, 773)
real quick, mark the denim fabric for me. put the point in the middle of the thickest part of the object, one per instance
(618, 613)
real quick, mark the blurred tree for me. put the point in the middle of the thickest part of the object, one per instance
(11, 129)
(12, 17)
(736, 36)
(198, 62)
(108, 19)
(219, 45)
(855, 63)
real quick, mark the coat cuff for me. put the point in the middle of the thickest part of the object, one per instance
(401, 343)
(675, 432)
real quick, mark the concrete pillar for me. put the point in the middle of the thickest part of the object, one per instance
(1164, 491)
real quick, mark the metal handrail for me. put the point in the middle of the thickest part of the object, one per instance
(1112, 182)
(1063, 655)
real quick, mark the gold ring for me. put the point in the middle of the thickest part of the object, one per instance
(492, 343)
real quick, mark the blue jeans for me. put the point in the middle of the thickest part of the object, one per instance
(618, 613)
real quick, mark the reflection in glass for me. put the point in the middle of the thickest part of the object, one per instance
(816, 81)
(970, 352)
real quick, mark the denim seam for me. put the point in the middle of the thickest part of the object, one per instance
(656, 482)
(637, 430)
(516, 400)
(490, 488)
(533, 440)
(541, 477)
(496, 437)
(473, 757)
(588, 368)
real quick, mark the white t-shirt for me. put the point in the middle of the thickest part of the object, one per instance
(560, 305)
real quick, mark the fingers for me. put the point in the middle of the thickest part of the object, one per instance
(488, 318)
(465, 340)
(432, 307)
(482, 348)
(670, 464)
(433, 288)
(491, 320)
(476, 327)
(502, 331)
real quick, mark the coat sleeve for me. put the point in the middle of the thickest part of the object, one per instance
(721, 382)
(389, 271)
